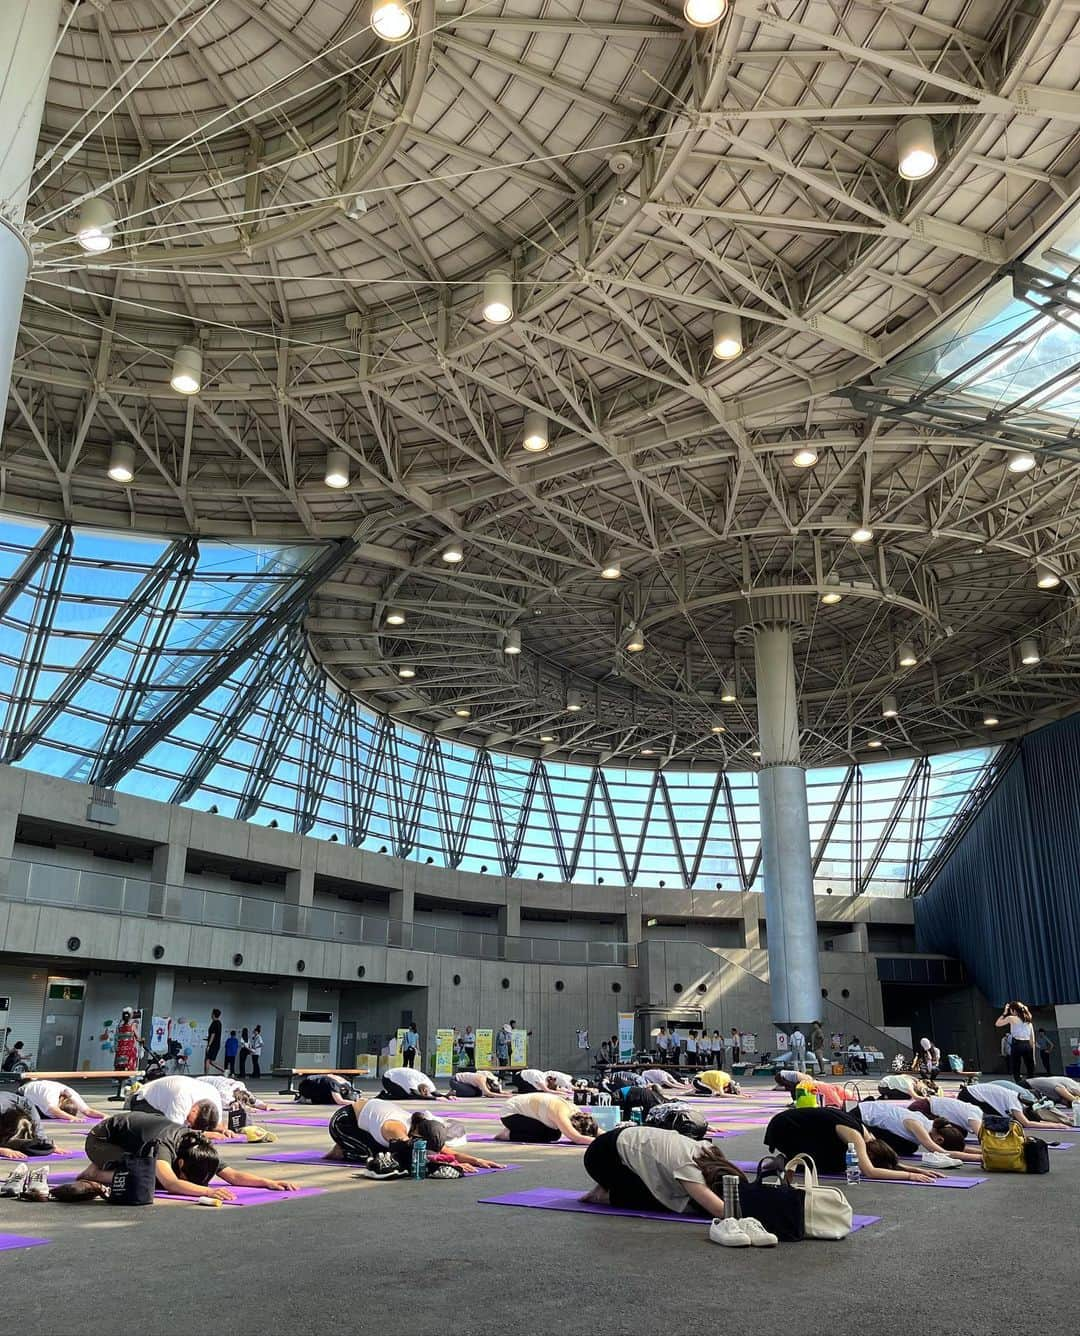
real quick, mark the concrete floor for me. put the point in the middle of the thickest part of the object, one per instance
(399, 1258)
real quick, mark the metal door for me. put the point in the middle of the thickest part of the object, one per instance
(61, 1026)
(347, 1044)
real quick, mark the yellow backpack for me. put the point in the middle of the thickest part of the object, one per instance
(1002, 1144)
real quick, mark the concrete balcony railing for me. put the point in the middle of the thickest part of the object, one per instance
(51, 884)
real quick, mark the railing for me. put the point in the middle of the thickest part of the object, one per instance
(106, 893)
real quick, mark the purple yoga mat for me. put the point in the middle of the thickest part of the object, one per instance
(296, 1122)
(565, 1199)
(954, 1181)
(247, 1196)
(312, 1157)
(19, 1241)
(52, 1158)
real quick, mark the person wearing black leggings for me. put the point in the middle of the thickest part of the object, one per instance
(1022, 1033)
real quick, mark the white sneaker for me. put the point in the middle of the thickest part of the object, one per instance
(756, 1232)
(37, 1184)
(15, 1180)
(729, 1234)
(937, 1159)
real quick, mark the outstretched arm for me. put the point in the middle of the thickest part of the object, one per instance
(240, 1178)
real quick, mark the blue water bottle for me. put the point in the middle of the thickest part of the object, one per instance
(418, 1168)
(852, 1172)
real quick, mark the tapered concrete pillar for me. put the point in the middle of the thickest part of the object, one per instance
(794, 979)
(28, 33)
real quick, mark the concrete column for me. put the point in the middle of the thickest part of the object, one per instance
(510, 912)
(299, 895)
(28, 33)
(634, 929)
(794, 981)
(401, 904)
(292, 999)
(168, 867)
(156, 985)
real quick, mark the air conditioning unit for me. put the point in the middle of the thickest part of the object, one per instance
(306, 1039)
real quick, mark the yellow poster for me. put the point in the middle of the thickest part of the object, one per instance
(444, 1052)
(484, 1060)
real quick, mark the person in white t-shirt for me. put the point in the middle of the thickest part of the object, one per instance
(55, 1100)
(906, 1131)
(410, 1083)
(544, 1118)
(656, 1076)
(183, 1099)
(363, 1130)
(968, 1117)
(662, 1043)
(1017, 1017)
(532, 1078)
(998, 1099)
(1061, 1089)
(233, 1092)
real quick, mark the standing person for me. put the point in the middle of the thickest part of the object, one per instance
(817, 1045)
(676, 1047)
(736, 1045)
(716, 1049)
(691, 1048)
(1046, 1047)
(126, 1057)
(243, 1053)
(662, 1044)
(1018, 1018)
(232, 1047)
(255, 1048)
(797, 1044)
(411, 1046)
(468, 1047)
(213, 1042)
(502, 1047)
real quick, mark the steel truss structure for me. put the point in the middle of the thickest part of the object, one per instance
(185, 675)
(316, 211)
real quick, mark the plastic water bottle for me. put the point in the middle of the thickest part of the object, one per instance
(852, 1172)
(418, 1168)
(636, 1116)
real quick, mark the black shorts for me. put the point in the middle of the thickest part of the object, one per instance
(523, 1128)
(355, 1144)
(212, 1051)
(464, 1089)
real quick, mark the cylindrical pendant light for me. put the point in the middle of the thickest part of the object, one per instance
(96, 225)
(889, 707)
(906, 656)
(635, 640)
(122, 461)
(726, 336)
(453, 552)
(394, 617)
(727, 692)
(1045, 578)
(1029, 651)
(391, 20)
(611, 567)
(406, 672)
(512, 641)
(186, 370)
(704, 13)
(916, 153)
(535, 435)
(498, 297)
(336, 473)
(575, 702)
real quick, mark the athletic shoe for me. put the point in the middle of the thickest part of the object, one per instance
(938, 1159)
(446, 1171)
(756, 1232)
(384, 1166)
(15, 1181)
(37, 1184)
(729, 1234)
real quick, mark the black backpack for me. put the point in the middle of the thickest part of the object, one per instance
(134, 1181)
(681, 1118)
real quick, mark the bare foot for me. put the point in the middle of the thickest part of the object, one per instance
(504, 1135)
(597, 1197)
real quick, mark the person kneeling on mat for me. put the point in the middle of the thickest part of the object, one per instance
(185, 1160)
(1007, 1101)
(652, 1169)
(543, 1118)
(906, 1131)
(233, 1092)
(175, 1097)
(825, 1134)
(1063, 1090)
(717, 1083)
(476, 1085)
(531, 1078)
(374, 1132)
(325, 1090)
(656, 1076)
(52, 1099)
(409, 1083)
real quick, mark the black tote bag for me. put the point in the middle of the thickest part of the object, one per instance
(769, 1197)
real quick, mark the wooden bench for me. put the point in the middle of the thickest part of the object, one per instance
(67, 1077)
(292, 1072)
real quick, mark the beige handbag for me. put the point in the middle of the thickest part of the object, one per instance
(827, 1213)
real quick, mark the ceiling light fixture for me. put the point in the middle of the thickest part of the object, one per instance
(574, 700)
(635, 640)
(906, 656)
(96, 225)
(990, 719)
(916, 153)
(756, 755)
(535, 436)
(718, 729)
(394, 617)
(186, 370)
(726, 336)
(862, 534)
(391, 20)
(336, 473)
(832, 596)
(462, 711)
(874, 742)
(1021, 461)
(647, 751)
(1045, 578)
(547, 737)
(611, 568)
(498, 297)
(1029, 651)
(512, 641)
(804, 458)
(453, 552)
(406, 671)
(889, 707)
(727, 692)
(122, 461)
(704, 13)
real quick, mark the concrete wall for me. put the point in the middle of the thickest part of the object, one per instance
(129, 957)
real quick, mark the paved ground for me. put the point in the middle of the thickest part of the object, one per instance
(402, 1258)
